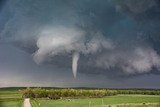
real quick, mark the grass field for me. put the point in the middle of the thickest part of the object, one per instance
(10, 98)
(13, 98)
(101, 102)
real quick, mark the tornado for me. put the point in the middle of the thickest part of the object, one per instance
(75, 59)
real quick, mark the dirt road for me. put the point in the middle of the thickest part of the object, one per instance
(27, 102)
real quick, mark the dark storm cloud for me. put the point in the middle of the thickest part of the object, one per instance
(2, 2)
(147, 15)
(113, 38)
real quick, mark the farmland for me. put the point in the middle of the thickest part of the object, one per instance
(42, 97)
(110, 101)
(92, 97)
(10, 98)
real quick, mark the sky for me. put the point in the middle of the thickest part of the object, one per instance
(80, 43)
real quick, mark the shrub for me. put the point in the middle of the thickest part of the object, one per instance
(28, 93)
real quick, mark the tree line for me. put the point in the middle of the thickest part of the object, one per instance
(66, 93)
(143, 92)
(80, 93)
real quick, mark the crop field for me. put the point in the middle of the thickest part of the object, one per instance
(110, 101)
(10, 98)
(44, 98)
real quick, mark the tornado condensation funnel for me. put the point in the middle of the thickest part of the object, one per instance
(75, 59)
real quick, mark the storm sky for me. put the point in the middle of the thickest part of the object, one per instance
(80, 43)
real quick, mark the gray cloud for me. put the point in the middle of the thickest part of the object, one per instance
(136, 6)
(138, 60)
(111, 37)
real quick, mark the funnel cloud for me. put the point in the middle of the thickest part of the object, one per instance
(75, 59)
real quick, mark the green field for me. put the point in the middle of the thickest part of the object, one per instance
(10, 98)
(13, 98)
(100, 102)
